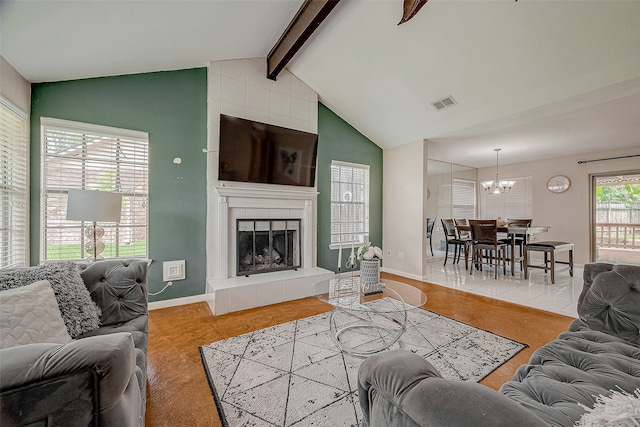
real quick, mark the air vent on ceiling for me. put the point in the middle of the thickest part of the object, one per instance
(443, 103)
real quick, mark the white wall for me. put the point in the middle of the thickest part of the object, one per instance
(404, 193)
(14, 87)
(566, 213)
(405, 207)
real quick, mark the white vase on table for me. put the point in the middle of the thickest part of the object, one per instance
(370, 276)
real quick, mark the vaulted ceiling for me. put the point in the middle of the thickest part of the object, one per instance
(538, 79)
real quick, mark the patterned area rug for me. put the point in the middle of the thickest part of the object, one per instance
(294, 375)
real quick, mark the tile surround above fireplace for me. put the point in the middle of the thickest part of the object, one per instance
(240, 88)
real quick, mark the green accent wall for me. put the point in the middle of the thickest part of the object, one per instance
(338, 140)
(172, 107)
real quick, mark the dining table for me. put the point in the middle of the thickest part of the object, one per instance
(512, 232)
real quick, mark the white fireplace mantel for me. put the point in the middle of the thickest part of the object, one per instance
(231, 202)
(257, 194)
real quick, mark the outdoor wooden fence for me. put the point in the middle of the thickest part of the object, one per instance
(618, 235)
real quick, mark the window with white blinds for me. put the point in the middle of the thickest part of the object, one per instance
(349, 203)
(517, 204)
(91, 157)
(463, 199)
(14, 192)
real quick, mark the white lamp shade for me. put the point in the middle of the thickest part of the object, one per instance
(98, 206)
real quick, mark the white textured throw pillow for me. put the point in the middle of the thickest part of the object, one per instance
(621, 409)
(30, 315)
(79, 312)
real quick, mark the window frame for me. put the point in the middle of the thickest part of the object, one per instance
(351, 226)
(118, 140)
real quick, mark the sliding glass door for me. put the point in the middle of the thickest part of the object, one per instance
(615, 218)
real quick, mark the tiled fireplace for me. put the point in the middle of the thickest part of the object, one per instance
(289, 208)
(240, 88)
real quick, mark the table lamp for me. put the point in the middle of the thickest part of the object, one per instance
(95, 206)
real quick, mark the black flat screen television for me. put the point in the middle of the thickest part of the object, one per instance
(267, 154)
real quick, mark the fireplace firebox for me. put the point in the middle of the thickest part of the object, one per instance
(266, 245)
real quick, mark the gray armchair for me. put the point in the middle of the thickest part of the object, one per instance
(75, 384)
(96, 379)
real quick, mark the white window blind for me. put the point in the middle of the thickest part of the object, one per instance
(14, 192)
(517, 204)
(349, 203)
(91, 157)
(464, 199)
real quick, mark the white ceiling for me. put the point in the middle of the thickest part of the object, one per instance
(52, 40)
(538, 79)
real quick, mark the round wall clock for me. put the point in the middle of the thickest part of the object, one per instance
(558, 184)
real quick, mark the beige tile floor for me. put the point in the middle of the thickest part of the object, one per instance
(537, 291)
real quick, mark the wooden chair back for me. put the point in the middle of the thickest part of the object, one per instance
(484, 231)
(520, 222)
(449, 228)
(462, 235)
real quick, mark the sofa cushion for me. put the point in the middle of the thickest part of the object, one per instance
(564, 377)
(609, 301)
(80, 313)
(29, 315)
(119, 287)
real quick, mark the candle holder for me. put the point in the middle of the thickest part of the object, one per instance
(352, 260)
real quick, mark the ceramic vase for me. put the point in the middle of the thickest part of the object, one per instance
(370, 276)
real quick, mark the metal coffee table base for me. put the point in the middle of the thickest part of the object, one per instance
(368, 325)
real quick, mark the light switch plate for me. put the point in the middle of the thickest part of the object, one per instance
(173, 270)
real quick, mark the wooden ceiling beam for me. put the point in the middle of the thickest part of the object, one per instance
(410, 8)
(307, 20)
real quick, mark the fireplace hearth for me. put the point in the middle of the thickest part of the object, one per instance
(266, 245)
(228, 291)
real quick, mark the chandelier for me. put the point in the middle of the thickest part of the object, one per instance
(496, 186)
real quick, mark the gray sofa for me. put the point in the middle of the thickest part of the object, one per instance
(598, 356)
(96, 378)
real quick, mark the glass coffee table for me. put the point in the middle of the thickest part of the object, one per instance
(365, 324)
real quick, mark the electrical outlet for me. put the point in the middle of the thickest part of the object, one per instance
(400, 255)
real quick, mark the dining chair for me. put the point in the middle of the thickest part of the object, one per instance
(520, 239)
(459, 244)
(431, 222)
(484, 236)
(462, 234)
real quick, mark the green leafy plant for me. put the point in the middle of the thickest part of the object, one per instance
(627, 195)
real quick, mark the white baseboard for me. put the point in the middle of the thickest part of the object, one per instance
(402, 273)
(179, 301)
(208, 297)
